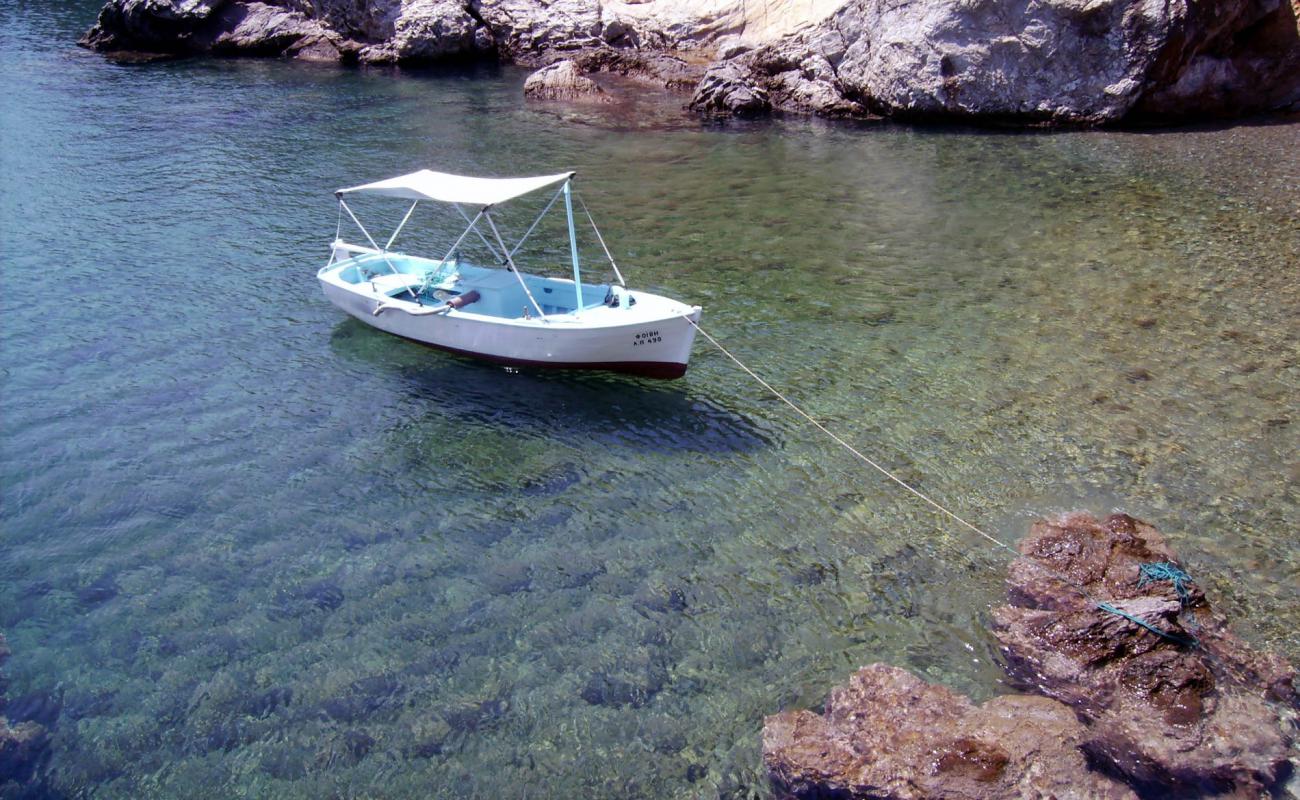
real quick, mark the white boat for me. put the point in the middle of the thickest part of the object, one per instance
(502, 313)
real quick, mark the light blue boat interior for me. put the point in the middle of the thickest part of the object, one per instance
(500, 292)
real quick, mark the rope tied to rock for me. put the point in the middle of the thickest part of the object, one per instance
(1185, 642)
(1157, 571)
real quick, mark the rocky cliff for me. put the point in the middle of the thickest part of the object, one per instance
(1079, 62)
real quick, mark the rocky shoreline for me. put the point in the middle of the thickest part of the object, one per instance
(1117, 710)
(1050, 63)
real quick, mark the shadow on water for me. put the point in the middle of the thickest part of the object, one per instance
(602, 408)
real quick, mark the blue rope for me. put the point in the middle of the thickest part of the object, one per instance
(1166, 571)
(1192, 642)
(1155, 572)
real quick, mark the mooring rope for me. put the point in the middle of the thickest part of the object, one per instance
(1071, 583)
(865, 459)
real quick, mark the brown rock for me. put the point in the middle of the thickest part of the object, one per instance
(888, 734)
(1161, 712)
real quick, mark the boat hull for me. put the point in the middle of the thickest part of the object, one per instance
(652, 340)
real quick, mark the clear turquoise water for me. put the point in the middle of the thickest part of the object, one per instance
(259, 549)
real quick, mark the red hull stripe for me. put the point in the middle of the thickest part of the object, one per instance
(648, 369)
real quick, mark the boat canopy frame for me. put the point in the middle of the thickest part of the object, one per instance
(485, 193)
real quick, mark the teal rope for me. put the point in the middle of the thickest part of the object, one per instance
(1164, 634)
(1155, 572)
(1166, 571)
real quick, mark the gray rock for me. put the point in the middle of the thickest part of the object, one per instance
(1064, 61)
(261, 29)
(563, 81)
(527, 31)
(731, 88)
(1076, 62)
(429, 31)
(162, 26)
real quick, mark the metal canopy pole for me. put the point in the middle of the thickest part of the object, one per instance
(573, 248)
(465, 233)
(401, 225)
(481, 237)
(382, 253)
(364, 232)
(601, 239)
(511, 261)
(529, 232)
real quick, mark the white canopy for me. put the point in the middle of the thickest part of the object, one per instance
(447, 188)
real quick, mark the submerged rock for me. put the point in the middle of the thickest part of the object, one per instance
(101, 590)
(265, 703)
(364, 698)
(295, 603)
(888, 734)
(40, 707)
(1158, 712)
(508, 577)
(24, 746)
(23, 749)
(471, 717)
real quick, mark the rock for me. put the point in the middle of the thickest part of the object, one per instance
(23, 749)
(508, 577)
(559, 81)
(1065, 62)
(103, 589)
(430, 31)
(471, 717)
(358, 744)
(364, 698)
(1158, 712)
(42, 708)
(604, 689)
(729, 87)
(265, 703)
(659, 68)
(562, 81)
(1078, 62)
(943, 746)
(659, 600)
(295, 603)
(161, 26)
(226, 735)
(284, 764)
(4, 683)
(1252, 64)
(259, 29)
(526, 31)
(324, 595)
(80, 705)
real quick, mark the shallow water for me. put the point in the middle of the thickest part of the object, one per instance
(262, 550)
